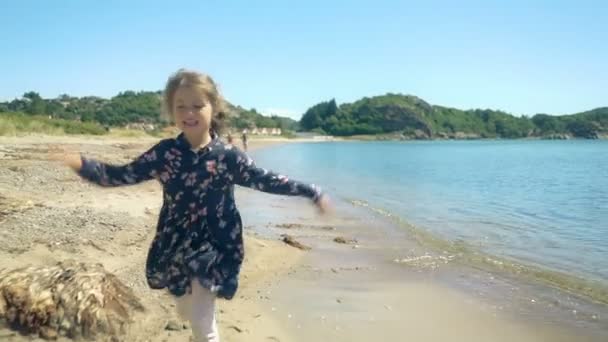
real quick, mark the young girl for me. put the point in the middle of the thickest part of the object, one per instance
(198, 248)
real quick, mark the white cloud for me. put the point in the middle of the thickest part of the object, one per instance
(282, 112)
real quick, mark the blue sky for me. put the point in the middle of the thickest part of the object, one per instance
(524, 57)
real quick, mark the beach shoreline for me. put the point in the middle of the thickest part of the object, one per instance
(351, 291)
(365, 292)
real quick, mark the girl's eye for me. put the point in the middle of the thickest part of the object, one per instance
(199, 106)
(181, 106)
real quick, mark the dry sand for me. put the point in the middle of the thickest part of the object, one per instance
(47, 214)
(334, 292)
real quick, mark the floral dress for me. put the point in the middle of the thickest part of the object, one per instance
(199, 230)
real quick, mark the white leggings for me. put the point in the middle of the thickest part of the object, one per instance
(199, 308)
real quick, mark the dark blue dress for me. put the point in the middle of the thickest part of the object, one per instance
(199, 231)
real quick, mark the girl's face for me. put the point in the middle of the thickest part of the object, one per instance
(192, 111)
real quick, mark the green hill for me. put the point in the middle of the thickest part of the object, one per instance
(125, 108)
(390, 115)
(408, 116)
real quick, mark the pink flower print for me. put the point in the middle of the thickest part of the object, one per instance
(212, 167)
(169, 155)
(234, 232)
(205, 183)
(150, 156)
(193, 212)
(190, 179)
(282, 179)
(165, 176)
(222, 167)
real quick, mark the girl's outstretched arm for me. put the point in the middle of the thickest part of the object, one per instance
(144, 167)
(249, 175)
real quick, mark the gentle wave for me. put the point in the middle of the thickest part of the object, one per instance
(460, 251)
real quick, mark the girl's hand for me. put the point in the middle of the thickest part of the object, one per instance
(324, 204)
(69, 159)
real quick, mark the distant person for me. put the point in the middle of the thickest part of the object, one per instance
(198, 249)
(244, 139)
(230, 139)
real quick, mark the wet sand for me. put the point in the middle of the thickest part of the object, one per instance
(356, 292)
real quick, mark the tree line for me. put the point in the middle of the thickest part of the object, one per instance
(128, 107)
(410, 116)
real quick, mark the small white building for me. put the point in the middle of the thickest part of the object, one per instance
(263, 131)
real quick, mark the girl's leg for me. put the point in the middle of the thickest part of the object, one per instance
(202, 318)
(184, 306)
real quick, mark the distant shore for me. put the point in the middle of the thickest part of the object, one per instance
(392, 137)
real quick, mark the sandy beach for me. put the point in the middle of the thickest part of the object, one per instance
(347, 287)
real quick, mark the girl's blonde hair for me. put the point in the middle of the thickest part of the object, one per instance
(202, 82)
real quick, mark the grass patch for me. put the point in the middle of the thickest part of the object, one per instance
(12, 124)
